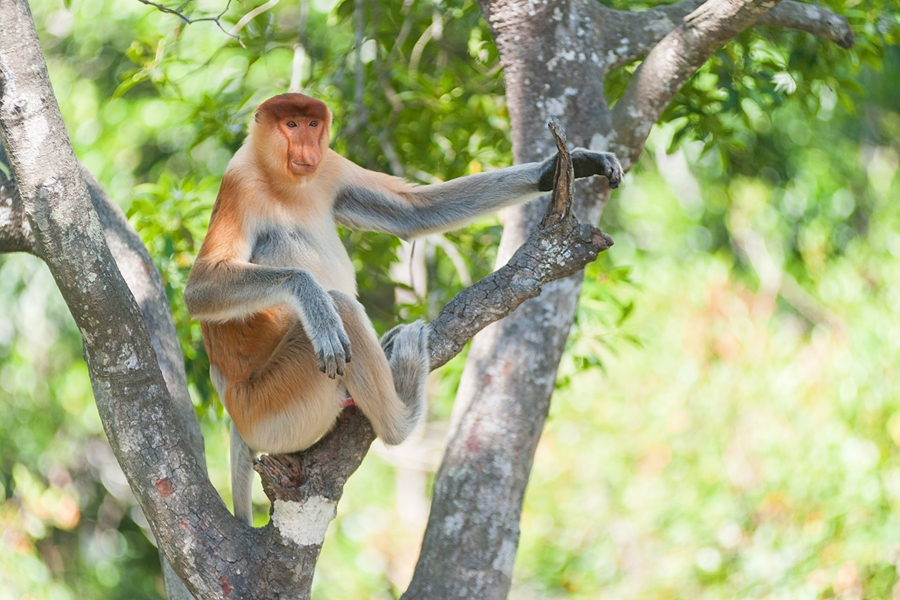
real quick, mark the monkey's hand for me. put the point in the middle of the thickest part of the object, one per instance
(331, 344)
(325, 329)
(586, 163)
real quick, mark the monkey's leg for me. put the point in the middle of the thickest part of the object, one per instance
(390, 393)
(286, 404)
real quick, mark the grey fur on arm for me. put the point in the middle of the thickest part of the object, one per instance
(436, 207)
(444, 206)
(241, 289)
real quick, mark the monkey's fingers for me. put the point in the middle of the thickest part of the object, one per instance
(614, 171)
(333, 353)
(330, 364)
(588, 162)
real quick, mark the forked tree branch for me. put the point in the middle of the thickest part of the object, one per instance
(686, 47)
(134, 360)
(810, 18)
(671, 62)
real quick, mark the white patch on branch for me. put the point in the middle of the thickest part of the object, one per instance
(600, 143)
(556, 107)
(453, 523)
(505, 558)
(306, 523)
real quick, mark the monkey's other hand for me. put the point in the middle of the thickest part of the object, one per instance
(329, 339)
(586, 163)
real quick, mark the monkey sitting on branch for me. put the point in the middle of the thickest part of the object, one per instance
(275, 290)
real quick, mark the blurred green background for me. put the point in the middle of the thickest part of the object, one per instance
(727, 419)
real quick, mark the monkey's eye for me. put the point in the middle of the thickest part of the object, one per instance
(291, 124)
(313, 123)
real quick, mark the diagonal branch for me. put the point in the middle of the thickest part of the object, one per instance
(810, 18)
(15, 230)
(634, 34)
(671, 62)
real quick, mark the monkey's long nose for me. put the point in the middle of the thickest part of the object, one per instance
(308, 156)
(305, 160)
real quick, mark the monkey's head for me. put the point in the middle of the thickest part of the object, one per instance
(290, 133)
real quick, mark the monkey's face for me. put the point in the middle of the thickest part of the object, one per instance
(290, 134)
(304, 143)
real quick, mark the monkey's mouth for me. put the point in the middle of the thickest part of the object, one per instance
(299, 168)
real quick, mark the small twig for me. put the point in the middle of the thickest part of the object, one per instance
(301, 56)
(250, 16)
(178, 12)
(168, 11)
(359, 26)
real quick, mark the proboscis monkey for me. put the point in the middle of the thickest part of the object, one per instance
(275, 291)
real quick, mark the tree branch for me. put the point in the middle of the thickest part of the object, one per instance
(810, 18)
(145, 283)
(634, 34)
(15, 230)
(671, 62)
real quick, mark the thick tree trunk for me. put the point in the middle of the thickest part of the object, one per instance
(504, 396)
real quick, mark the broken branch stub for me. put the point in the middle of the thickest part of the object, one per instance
(560, 207)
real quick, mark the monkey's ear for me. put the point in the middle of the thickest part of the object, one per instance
(256, 116)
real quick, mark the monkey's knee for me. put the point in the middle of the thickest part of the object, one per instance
(347, 306)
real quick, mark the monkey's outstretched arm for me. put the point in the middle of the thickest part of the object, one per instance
(378, 202)
(234, 289)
